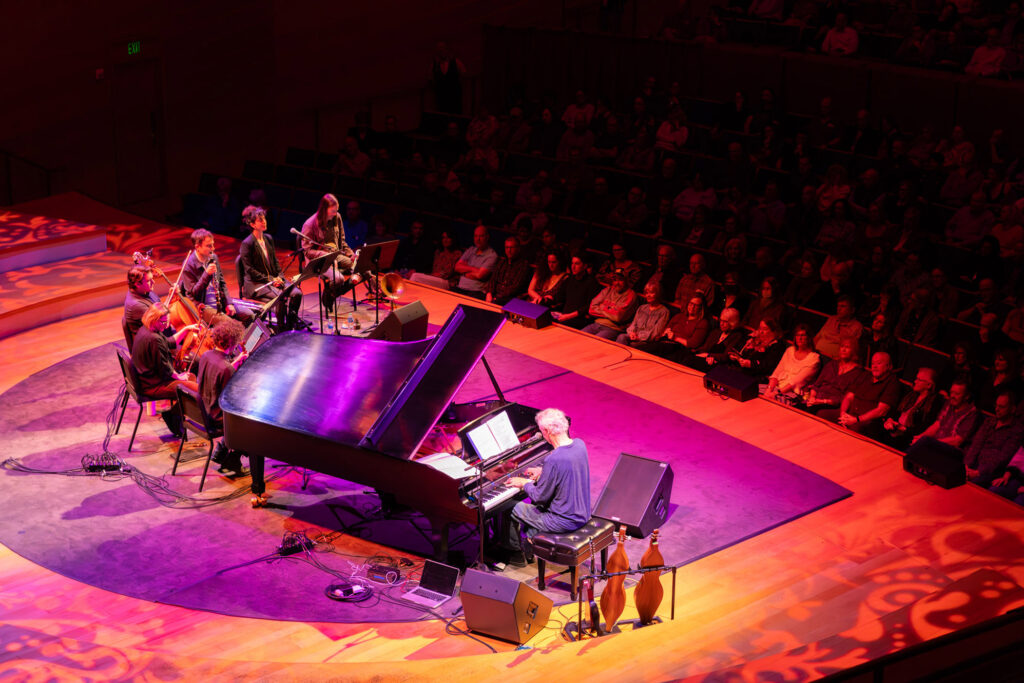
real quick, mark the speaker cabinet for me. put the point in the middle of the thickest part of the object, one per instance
(526, 314)
(936, 462)
(637, 494)
(503, 608)
(731, 383)
(408, 323)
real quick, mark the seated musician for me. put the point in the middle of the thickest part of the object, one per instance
(326, 228)
(138, 300)
(261, 271)
(203, 281)
(215, 369)
(559, 492)
(153, 362)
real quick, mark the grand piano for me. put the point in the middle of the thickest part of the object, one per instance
(366, 411)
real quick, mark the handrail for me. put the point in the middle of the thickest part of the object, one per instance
(9, 158)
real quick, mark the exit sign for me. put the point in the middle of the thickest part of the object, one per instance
(134, 47)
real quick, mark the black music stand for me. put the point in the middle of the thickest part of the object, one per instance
(314, 268)
(376, 257)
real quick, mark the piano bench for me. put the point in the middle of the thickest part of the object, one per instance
(572, 548)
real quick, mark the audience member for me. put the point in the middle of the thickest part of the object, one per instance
(837, 327)
(768, 305)
(613, 308)
(835, 379)
(719, 346)
(580, 289)
(476, 264)
(685, 331)
(510, 276)
(957, 419)
(548, 284)
(649, 321)
(762, 352)
(997, 440)
(918, 409)
(797, 367)
(869, 399)
(619, 262)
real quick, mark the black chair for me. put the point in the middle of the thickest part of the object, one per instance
(133, 391)
(194, 417)
(128, 336)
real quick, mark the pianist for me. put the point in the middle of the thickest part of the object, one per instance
(559, 493)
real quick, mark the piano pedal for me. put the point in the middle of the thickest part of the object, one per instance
(259, 501)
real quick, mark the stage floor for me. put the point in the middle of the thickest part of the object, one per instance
(897, 562)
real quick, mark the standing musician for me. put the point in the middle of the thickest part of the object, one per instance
(326, 228)
(203, 282)
(559, 491)
(137, 301)
(215, 369)
(261, 271)
(153, 361)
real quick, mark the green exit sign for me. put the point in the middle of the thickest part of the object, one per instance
(134, 47)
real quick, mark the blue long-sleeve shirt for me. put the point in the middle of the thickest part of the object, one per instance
(563, 487)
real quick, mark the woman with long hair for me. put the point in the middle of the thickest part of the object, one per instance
(548, 283)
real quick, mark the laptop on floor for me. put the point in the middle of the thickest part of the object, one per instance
(437, 585)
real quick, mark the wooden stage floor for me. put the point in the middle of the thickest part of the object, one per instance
(897, 562)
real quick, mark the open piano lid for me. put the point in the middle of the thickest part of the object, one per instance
(384, 396)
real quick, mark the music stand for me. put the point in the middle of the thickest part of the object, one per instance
(376, 257)
(314, 268)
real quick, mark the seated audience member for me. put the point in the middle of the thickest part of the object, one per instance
(869, 400)
(917, 410)
(987, 59)
(511, 273)
(665, 272)
(730, 295)
(1004, 376)
(767, 306)
(697, 282)
(613, 308)
(631, 212)
(685, 332)
(797, 367)
(697, 194)
(476, 264)
(215, 369)
(203, 282)
(993, 446)
(956, 420)
(762, 352)
(878, 337)
(836, 327)
(649, 321)
(535, 212)
(222, 213)
(620, 261)
(580, 290)
(835, 379)
(700, 233)
(672, 134)
(1013, 326)
(805, 285)
(841, 40)
(548, 283)
(988, 301)
(416, 252)
(989, 340)
(446, 256)
(262, 277)
(718, 345)
(768, 215)
(352, 161)
(663, 222)
(1011, 484)
(837, 230)
(578, 137)
(640, 155)
(918, 323)
(944, 295)
(970, 223)
(834, 187)
(909, 277)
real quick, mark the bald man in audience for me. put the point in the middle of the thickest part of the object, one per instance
(870, 398)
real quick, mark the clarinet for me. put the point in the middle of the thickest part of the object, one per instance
(221, 308)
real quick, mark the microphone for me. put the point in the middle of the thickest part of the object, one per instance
(295, 232)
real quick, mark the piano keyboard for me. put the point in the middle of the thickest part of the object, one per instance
(498, 495)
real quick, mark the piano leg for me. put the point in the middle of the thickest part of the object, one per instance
(439, 538)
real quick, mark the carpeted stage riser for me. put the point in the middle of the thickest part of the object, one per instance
(112, 534)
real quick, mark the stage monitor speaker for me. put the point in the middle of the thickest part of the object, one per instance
(936, 462)
(503, 608)
(637, 494)
(526, 314)
(408, 323)
(731, 383)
